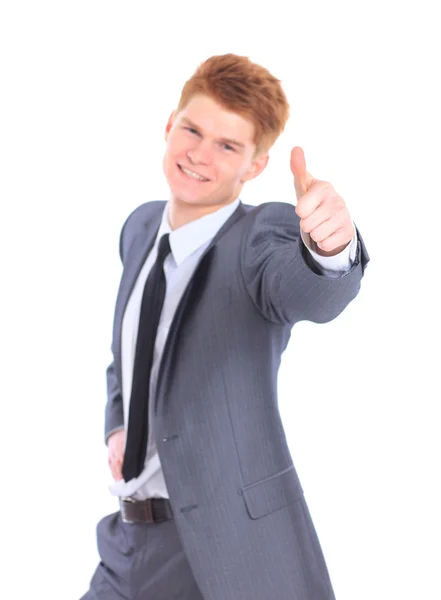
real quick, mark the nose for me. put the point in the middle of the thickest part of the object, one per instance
(200, 153)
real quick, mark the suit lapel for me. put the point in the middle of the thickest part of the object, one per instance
(133, 263)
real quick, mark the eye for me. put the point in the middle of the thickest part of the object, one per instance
(228, 147)
(192, 130)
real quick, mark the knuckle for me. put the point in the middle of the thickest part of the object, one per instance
(326, 245)
(305, 225)
(315, 235)
(300, 210)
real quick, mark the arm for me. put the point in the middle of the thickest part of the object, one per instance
(114, 418)
(289, 282)
(282, 278)
(114, 415)
(115, 435)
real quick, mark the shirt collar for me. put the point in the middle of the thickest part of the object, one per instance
(187, 239)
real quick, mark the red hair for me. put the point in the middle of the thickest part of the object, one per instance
(243, 87)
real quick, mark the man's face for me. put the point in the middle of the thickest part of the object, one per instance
(209, 154)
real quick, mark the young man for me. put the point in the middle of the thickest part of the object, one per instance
(210, 503)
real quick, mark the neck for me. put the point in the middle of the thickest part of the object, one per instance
(179, 213)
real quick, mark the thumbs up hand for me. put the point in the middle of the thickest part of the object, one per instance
(323, 213)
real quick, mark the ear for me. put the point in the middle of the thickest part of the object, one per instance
(169, 124)
(256, 168)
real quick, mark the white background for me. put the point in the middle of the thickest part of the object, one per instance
(86, 89)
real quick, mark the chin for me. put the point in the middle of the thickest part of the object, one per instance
(183, 195)
(189, 200)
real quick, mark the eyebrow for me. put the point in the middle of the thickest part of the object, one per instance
(225, 140)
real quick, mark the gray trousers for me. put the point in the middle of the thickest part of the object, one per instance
(142, 561)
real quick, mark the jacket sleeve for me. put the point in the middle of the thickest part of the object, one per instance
(282, 278)
(114, 415)
(114, 418)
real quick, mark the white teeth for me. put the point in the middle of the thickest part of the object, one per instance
(195, 175)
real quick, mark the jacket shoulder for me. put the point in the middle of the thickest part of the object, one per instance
(137, 220)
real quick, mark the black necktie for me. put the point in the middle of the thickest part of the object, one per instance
(151, 307)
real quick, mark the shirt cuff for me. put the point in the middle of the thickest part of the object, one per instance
(340, 263)
(109, 433)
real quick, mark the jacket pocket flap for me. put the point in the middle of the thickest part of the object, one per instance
(272, 493)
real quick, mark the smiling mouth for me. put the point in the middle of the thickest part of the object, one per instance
(192, 174)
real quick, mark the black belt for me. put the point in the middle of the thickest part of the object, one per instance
(151, 510)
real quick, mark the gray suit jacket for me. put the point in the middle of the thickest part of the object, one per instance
(238, 503)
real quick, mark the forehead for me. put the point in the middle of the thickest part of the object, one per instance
(214, 120)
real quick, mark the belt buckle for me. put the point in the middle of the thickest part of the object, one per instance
(127, 500)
